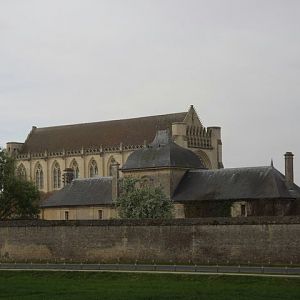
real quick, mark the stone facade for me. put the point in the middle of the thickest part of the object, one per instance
(201, 241)
(79, 213)
(102, 161)
(168, 179)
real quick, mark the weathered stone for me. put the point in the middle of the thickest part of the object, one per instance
(238, 240)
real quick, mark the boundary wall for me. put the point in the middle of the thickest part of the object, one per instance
(251, 240)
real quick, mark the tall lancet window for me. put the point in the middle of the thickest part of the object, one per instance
(39, 177)
(93, 168)
(56, 176)
(21, 172)
(111, 162)
(75, 168)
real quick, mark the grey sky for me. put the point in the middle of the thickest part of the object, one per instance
(237, 61)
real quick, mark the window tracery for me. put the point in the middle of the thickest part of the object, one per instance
(39, 177)
(56, 176)
(75, 168)
(93, 170)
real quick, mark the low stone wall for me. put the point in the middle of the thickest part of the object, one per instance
(218, 240)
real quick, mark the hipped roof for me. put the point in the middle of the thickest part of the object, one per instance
(234, 184)
(82, 192)
(162, 153)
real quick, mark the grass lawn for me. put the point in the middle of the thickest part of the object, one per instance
(89, 285)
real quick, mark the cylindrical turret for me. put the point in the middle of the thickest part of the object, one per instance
(217, 143)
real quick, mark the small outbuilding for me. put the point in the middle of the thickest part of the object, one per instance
(82, 199)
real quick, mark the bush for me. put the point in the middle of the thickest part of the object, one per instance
(136, 202)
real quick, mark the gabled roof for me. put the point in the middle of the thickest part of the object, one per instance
(108, 133)
(162, 153)
(234, 184)
(82, 192)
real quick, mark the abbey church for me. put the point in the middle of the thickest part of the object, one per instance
(90, 149)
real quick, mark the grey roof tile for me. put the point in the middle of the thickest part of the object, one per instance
(82, 192)
(90, 135)
(234, 184)
(162, 152)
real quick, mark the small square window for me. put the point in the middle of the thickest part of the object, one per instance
(100, 214)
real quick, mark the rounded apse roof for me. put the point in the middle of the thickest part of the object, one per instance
(163, 153)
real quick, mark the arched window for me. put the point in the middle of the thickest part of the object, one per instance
(56, 176)
(39, 177)
(21, 172)
(75, 168)
(111, 162)
(93, 169)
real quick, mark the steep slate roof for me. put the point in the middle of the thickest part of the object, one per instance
(162, 152)
(82, 192)
(108, 133)
(234, 184)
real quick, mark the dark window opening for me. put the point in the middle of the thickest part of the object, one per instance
(243, 210)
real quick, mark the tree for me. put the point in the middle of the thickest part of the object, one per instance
(18, 198)
(136, 202)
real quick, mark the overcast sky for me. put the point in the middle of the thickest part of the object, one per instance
(237, 61)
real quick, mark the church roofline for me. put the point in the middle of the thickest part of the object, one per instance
(108, 121)
(107, 134)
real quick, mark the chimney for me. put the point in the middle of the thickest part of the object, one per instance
(289, 168)
(115, 180)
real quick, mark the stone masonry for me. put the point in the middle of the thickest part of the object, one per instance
(219, 240)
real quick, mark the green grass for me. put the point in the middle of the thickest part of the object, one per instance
(88, 285)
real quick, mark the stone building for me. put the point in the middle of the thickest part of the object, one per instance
(82, 199)
(195, 190)
(91, 149)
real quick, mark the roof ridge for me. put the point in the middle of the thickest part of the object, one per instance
(109, 121)
(232, 168)
(110, 133)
